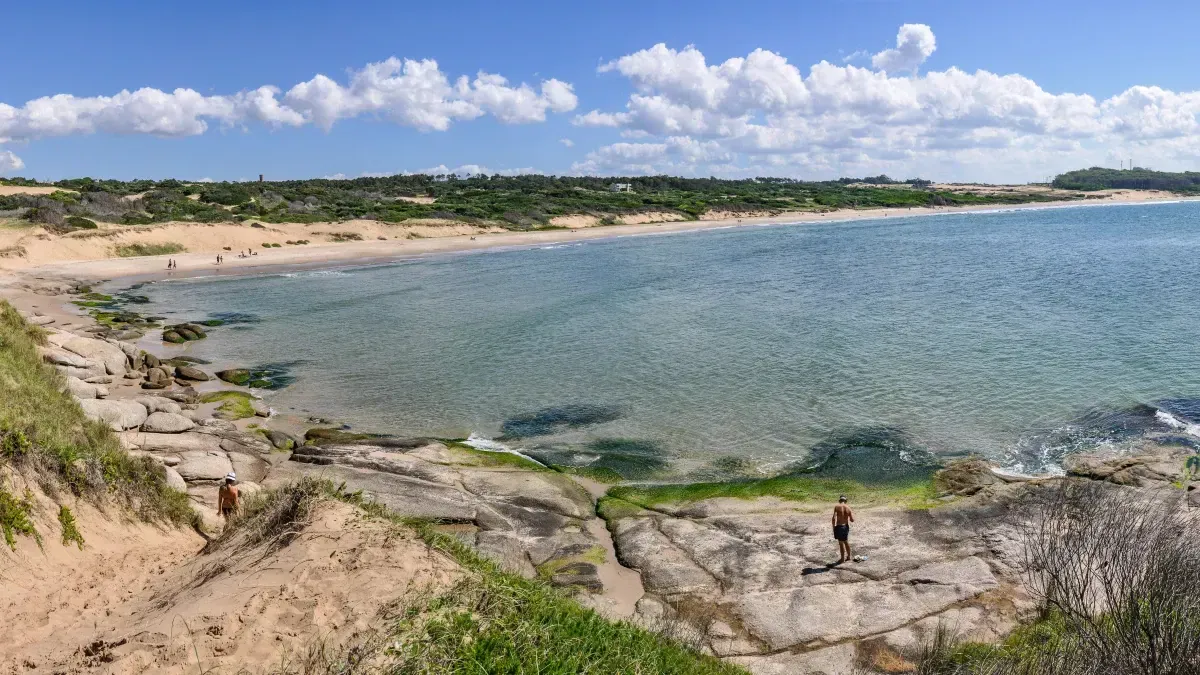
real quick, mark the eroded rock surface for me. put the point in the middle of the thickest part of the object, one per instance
(755, 576)
(531, 521)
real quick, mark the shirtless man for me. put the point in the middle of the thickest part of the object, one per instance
(227, 497)
(842, 517)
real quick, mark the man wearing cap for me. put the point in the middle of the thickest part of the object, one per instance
(227, 497)
(842, 517)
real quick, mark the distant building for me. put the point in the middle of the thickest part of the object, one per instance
(621, 187)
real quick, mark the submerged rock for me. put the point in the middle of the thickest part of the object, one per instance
(238, 376)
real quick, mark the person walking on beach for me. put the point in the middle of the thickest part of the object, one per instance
(228, 500)
(842, 517)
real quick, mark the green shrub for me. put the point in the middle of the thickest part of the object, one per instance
(70, 531)
(80, 223)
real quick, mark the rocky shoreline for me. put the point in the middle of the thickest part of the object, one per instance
(748, 579)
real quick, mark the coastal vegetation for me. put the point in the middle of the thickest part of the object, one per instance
(138, 250)
(47, 441)
(489, 621)
(1137, 178)
(1116, 575)
(513, 202)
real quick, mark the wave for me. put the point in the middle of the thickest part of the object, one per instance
(488, 445)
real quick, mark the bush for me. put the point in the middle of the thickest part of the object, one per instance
(1117, 574)
(80, 223)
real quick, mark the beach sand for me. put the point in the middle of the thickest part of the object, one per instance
(88, 255)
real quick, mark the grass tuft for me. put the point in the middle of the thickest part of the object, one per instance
(138, 250)
(16, 518)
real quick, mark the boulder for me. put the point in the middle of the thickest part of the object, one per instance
(248, 467)
(184, 442)
(158, 375)
(184, 396)
(174, 480)
(965, 477)
(154, 385)
(103, 379)
(62, 357)
(119, 415)
(92, 370)
(167, 423)
(238, 376)
(202, 465)
(173, 337)
(159, 404)
(151, 360)
(100, 351)
(80, 389)
(280, 440)
(190, 373)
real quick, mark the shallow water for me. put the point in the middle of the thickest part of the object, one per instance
(1018, 335)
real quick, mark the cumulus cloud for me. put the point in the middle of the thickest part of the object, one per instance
(914, 44)
(567, 142)
(407, 92)
(761, 114)
(10, 162)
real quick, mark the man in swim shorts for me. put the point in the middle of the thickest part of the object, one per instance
(842, 517)
(227, 497)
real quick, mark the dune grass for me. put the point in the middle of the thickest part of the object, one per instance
(139, 250)
(45, 435)
(491, 621)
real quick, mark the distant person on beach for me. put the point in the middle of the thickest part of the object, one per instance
(842, 517)
(228, 501)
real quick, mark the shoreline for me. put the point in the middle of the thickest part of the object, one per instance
(194, 265)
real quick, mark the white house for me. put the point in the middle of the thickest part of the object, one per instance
(621, 187)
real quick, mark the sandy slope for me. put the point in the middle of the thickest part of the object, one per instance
(90, 254)
(138, 600)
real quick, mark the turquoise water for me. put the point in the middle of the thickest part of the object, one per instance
(1018, 335)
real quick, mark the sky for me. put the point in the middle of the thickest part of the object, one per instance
(946, 90)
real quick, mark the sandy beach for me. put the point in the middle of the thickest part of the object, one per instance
(89, 255)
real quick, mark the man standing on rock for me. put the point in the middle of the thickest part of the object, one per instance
(227, 497)
(842, 517)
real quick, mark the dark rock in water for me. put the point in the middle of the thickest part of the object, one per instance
(187, 335)
(234, 318)
(238, 376)
(173, 337)
(870, 455)
(183, 332)
(271, 376)
(211, 323)
(553, 420)
(190, 373)
(182, 360)
(630, 459)
(318, 436)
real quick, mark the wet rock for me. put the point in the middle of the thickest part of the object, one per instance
(119, 415)
(151, 360)
(173, 337)
(238, 376)
(167, 423)
(280, 440)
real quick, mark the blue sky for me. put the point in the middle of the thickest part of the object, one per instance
(1134, 68)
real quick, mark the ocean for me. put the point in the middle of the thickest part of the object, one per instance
(1020, 336)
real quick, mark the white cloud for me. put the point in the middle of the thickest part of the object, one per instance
(10, 162)
(411, 93)
(567, 142)
(763, 115)
(466, 170)
(914, 44)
